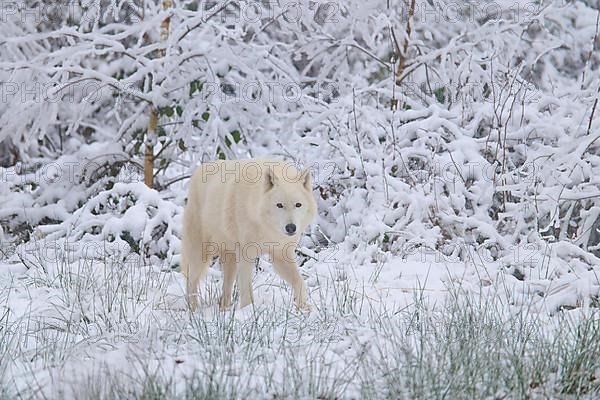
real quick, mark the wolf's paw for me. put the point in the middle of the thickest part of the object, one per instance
(245, 303)
(304, 306)
(224, 303)
(193, 303)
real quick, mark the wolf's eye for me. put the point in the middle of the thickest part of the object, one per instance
(298, 205)
(279, 205)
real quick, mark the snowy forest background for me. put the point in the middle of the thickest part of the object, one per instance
(442, 136)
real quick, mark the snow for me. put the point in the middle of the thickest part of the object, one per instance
(479, 188)
(144, 302)
(70, 322)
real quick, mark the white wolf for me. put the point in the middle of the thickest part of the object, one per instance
(239, 210)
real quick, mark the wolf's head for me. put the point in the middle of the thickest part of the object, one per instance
(289, 205)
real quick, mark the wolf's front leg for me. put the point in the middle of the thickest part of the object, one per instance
(228, 262)
(245, 281)
(288, 270)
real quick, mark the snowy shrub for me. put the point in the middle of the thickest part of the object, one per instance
(127, 219)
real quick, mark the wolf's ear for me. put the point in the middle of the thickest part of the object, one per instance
(306, 179)
(270, 179)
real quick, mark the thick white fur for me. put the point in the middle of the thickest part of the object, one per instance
(232, 212)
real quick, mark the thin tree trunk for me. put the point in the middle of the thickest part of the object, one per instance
(149, 152)
(153, 117)
(402, 61)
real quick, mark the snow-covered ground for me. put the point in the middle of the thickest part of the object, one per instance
(401, 328)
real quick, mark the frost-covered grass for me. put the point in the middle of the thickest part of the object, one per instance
(105, 329)
(474, 348)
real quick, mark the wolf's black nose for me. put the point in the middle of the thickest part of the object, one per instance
(290, 229)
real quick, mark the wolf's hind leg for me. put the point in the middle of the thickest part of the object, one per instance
(194, 265)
